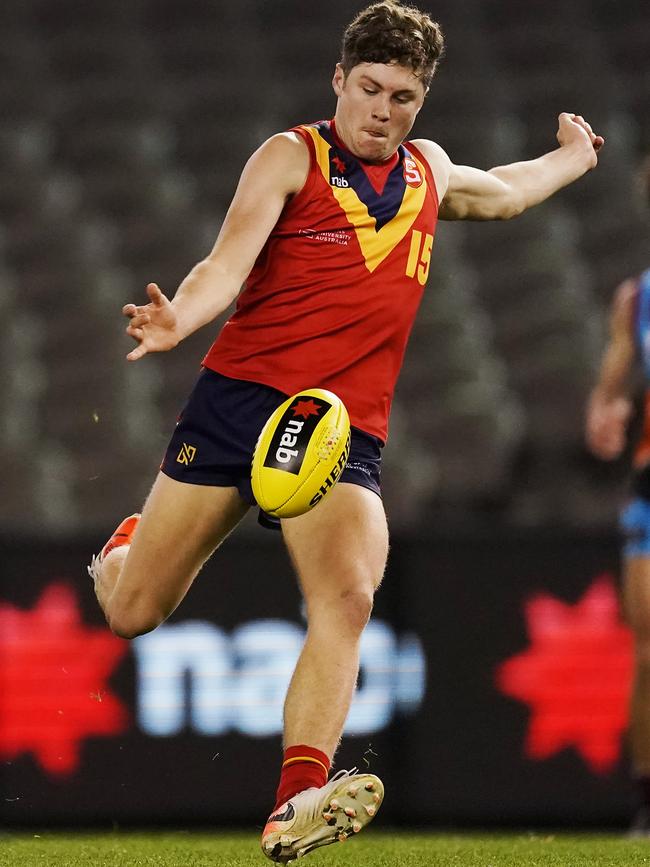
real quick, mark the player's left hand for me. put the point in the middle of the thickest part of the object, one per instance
(606, 426)
(573, 129)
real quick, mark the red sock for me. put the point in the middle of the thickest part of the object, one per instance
(302, 768)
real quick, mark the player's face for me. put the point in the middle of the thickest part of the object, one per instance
(377, 106)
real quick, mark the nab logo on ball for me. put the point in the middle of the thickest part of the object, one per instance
(294, 431)
(301, 452)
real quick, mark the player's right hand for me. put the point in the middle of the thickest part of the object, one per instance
(152, 325)
(606, 427)
(573, 129)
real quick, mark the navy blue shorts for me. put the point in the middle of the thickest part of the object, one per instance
(216, 433)
(635, 524)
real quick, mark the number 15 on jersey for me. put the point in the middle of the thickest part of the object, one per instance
(419, 259)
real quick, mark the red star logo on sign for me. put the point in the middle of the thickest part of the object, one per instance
(53, 673)
(305, 408)
(575, 676)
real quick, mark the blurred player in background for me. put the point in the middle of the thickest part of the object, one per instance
(608, 412)
(331, 232)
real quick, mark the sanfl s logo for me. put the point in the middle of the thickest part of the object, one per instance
(186, 454)
(412, 174)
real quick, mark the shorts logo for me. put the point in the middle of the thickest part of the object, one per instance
(291, 438)
(186, 454)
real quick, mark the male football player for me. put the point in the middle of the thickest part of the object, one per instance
(608, 412)
(330, 231)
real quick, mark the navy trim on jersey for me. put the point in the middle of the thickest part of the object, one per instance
(382, 206)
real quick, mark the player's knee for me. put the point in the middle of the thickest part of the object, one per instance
(129, 624)
(355, 608)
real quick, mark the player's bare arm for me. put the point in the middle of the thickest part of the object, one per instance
(609, 405)
(503, 192)
(275, 172)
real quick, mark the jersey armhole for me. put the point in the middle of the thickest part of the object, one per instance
(427, 168)
(306, 188)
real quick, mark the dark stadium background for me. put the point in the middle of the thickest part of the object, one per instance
(124, 128)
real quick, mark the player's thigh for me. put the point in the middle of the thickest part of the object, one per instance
(341, 546)
(181, 525)
(636, 595)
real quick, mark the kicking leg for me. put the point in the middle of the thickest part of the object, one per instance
(139, 585)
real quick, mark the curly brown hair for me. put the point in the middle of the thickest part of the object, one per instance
(389, 32)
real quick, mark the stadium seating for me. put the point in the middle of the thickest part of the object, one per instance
(125, 128)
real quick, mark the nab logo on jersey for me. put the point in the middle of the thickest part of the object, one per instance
(336, 163)
(412, 174)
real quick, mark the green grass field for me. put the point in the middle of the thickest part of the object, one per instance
(376, 849)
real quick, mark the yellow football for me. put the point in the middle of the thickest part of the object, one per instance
(301, 452)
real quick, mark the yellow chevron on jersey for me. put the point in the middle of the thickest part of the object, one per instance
(379, 222)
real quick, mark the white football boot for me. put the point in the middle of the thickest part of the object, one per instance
(318, 817)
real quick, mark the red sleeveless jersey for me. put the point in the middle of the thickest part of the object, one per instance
(331, 299)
